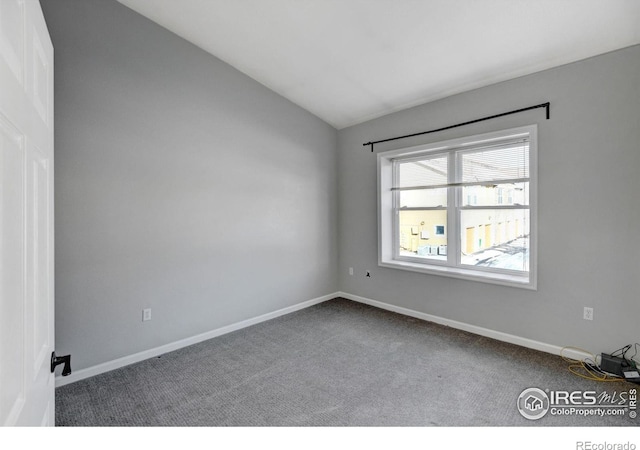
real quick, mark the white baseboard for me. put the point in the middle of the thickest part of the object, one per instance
(151, 353)
(157, 351)
(498, 335)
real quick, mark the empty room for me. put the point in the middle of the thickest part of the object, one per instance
(320, 213)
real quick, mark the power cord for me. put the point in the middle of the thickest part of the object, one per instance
(632, 362)
(621, 352)
(635, 354)
(588, 368)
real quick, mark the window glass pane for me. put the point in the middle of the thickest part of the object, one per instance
(503, 163)
(496, 238)
(425, 172)
(423, 197)
(505, 194)
(423, 234)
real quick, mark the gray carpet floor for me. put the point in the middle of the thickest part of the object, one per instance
(339, 363)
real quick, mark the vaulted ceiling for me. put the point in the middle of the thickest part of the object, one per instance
(348, 61)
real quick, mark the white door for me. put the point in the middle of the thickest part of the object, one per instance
(26, 216)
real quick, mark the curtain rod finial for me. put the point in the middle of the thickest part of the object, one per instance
(368, 143)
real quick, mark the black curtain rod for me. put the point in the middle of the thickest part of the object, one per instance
(541, 105)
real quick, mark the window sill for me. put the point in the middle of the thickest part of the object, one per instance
(464, 274)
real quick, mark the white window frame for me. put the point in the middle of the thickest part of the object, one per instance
(387, 253)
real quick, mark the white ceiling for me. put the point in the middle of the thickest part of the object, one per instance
(348, 61)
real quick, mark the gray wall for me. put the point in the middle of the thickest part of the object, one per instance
(181, 185)
(589, 206)
(186, 187)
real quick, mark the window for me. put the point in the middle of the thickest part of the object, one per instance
(480, 189)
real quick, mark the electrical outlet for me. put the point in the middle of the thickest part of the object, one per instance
(146, 314)
(588, 313)
(350, 270)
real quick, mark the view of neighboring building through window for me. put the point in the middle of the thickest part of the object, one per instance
(462, 207)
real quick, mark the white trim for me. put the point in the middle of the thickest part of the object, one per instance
(157, 351)
(151, 353)
(498, 335)
(433, 268)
